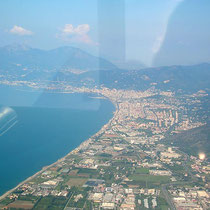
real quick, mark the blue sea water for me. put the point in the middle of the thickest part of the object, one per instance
(49, 125)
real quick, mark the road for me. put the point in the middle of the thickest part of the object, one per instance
(167, 196)
(178, 183)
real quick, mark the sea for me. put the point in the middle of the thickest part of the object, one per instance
(39, 127)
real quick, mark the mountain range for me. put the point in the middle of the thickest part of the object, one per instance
(80, 68)
(64, 58)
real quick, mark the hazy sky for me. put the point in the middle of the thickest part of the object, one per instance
(117, 29)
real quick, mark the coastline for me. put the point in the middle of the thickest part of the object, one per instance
(83, 144)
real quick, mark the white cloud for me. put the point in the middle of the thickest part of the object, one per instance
(158, 43)
(161, 37)
(20, 31)
(76, 34)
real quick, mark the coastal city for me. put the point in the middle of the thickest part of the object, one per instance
(105, 105)
(125, 165)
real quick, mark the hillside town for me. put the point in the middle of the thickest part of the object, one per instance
(125, 165)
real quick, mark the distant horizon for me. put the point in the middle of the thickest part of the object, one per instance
(126, 62)
(152, 33)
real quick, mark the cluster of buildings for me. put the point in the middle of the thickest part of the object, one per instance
(190, 198)
(118, 197)
(125, 165)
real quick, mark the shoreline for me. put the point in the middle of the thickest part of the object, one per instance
(85, 142)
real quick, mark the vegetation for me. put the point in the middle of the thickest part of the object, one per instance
(193, 141)
(142, 171)
(148, 181)
(50, 202)
(76, 181)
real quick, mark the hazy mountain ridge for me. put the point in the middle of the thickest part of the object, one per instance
(192, 141)
(79, 68)
(170, 77)
(188, 78)
(20, 56)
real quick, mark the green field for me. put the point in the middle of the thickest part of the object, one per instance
(150, 181)
(76, 182)
(150, 178)
(87, 171)
(51, 202)
(142, 171)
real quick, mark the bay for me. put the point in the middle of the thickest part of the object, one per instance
(49, 125)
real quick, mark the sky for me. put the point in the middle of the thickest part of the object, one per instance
(119, 30)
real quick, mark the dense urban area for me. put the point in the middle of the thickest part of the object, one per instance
(130, 163)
